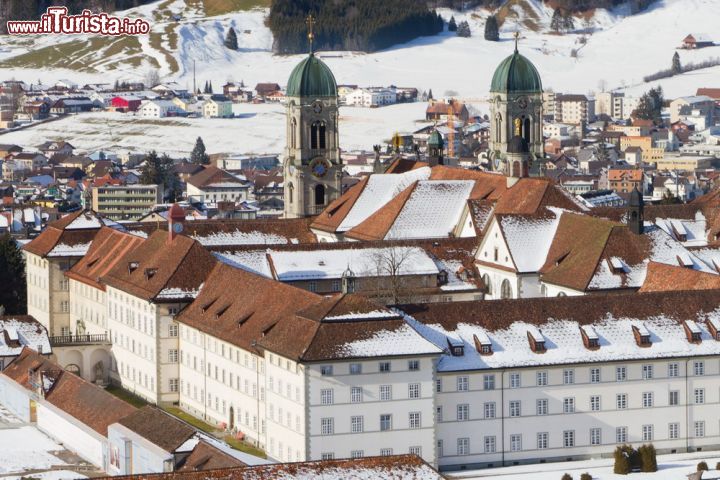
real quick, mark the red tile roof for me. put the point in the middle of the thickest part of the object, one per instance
(207, 457)
(158, 427)
(669, 278)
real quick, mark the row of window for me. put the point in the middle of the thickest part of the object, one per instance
(218, 405)
(569, 438)
(385, 393)
(384, 452)
(357, 423)
(221, 375)
(462, 382)
(218, 347)
(357, 368)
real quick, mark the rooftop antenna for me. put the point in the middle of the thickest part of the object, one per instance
(310, 22)
(517, 37)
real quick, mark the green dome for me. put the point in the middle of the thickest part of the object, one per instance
(435, 140)
(516, 74)
(311, 78)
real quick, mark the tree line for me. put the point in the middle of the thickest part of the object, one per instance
(364, 25)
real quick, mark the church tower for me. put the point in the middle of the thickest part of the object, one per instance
(312, 168)
(516, 109)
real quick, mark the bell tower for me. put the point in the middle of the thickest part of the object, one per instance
(312, 168)
(516, 109)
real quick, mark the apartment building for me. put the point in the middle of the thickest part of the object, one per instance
(610, 104)
(126, 202)
(574, 109)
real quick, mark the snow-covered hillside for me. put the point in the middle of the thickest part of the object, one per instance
(620, 50)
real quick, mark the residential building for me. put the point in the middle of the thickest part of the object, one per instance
(158, 108)
(687, 163)
(650, 153)
(625, 180)
(125, 202)
(574, 109)
(610, 104)
(371, 97)
(18, 332)
(684, 106)
(212, 185)
(217, 106)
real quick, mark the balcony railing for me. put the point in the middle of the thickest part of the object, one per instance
(61, 340)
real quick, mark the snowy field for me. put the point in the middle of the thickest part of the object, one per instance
(259, 129)
(670, 467)
(620, 50)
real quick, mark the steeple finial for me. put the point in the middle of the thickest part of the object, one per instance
(517, 37)
(310, 22)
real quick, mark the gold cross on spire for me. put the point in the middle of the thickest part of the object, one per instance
(517, 37)
(310, 22)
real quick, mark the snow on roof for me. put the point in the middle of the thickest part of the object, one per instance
(364, 262)
(483, 338)
(178, 293)
(694, 230)
(64, 250)
(373, 315)
(433, 209)
(403, 341)
(564, 344)
(618, 264)
(255, 261)
(590, 332)
(535, 333)
(86, 220)
(642, 329)
(379, 190)
(25, 333)
(454, 282)
(693, 326)
(529, 238)
(240, 238)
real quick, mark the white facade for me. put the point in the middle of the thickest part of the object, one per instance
(157, 108)
(217, 109)
(371, 97)
(48, 298)
(219, 192)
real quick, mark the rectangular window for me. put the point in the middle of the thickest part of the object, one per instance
(698, 368)
(699, 394)
(541, 379)
(489, 444)
(356, 394)
(515, 442)
(312, 286)
(385, 392)
(414, 390)
(674, 430)
(515, 408)
(595, 436)
(569, 438)
(463, 446)
(463, 383)
(514, 380)
(355, 369)
(594, 375)
(440, 448)
(357, 453)
(489, 408)
(620, 374)
(172, 355)
(439, 414)
(326, 370)
(673, 370)
(173, 330)
(621, 401)
(542, 440)
(386, 452)
(438, 385)
(647, 433)
(568, 405)
(463, 412)
(327, 426)
(621, 435)
(415, 451)
(326, 396)
(385, 422)
(595, 403)
(648, 400)
(568, 377)
(699, 429)
(173, 384)
(647, 372)
(541, 406)
(384, 367)
(413, 365)
(356, 424)
(489, 382)
(674, 397)
(414, 419)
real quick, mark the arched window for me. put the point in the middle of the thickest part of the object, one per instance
(498, 128)
(562, 294)
(319, 194)
(506, 289)
(526, 130)
(488, 285)
(291, 192)
(293, 133)
(317, 136)
(74, 369)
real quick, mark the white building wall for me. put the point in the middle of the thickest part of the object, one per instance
(88, 309)
(75, 436)
(286, 387)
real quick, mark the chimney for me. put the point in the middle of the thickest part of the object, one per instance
(176, 221)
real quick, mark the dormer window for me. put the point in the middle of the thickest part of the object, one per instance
(685, 261)
(456, 346)
(221, 311)
(132, 266)
(590, 338)
(692, 331)
(536, 340)
(713, 325)
(483, 345)
(642, 336)
(617, 265)
(442, 278)
(150, 273)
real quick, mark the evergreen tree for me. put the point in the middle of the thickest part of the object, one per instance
(430, 95)
(231, 39)
(210, 88)
(568, 23)
(452, 25)
(492, 32)
(12, 277)
(207, 87)
(159, 171)
(556, 23)
(463, 29)
(198, 154)
(676, 67)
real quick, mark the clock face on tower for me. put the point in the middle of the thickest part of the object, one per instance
(522, 102)
(317, 107)
(319, 167)
(177, 227)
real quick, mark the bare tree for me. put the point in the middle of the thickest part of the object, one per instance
(389, 266)
(152, 77)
